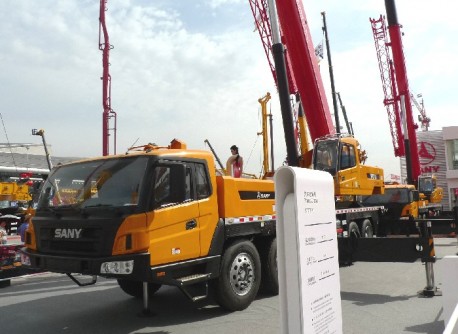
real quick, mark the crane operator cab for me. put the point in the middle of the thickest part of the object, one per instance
(427, 186)
(340, 156)
(333, 155)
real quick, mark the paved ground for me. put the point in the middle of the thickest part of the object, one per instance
(383, 297)
(376, 298)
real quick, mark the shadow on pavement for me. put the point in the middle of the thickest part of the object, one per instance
(364, 299)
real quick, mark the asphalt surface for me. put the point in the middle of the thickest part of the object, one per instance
(376, 298)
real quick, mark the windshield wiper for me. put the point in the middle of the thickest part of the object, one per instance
(100, 205)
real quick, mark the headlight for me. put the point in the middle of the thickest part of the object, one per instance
(117, 267)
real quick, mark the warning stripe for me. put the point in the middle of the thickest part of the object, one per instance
(362, 209)
(248, 219)
(432, 252)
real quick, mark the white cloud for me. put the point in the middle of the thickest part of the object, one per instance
(174, 75)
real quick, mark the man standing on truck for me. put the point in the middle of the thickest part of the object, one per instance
(234, 164)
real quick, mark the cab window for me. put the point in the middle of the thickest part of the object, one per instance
(202, 182)
(347, 157)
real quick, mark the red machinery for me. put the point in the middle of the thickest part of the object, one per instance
(108, 113)
(396, 89)
(295, 36)
(422, 118)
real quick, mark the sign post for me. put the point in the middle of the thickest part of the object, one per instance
(308, 265)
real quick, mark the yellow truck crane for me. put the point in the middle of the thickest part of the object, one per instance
(428, 188)
(13, 191)
(405, 205)
(158, 216)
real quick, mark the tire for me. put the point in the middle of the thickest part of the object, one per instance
(367, 230)
(269, 281)
(135, 288)
(240, 276)
(353, 230)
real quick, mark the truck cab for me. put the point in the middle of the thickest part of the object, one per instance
(429, 191)
(157, 216)
(342, 158)
(401, 202)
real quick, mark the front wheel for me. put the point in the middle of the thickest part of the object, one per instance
(269, 265)
(240, 276)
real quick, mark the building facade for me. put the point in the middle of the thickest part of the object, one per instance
(450, 136)
(30, 159)
(438, 153)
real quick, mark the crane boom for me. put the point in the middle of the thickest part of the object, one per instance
(298, 42)
(108, 113)
(401, 97)
(265, 143)
(344, 112)
(259, 9)
(331, 73)
(300, 61)
(388, 84)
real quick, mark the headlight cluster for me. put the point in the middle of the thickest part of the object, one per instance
(117, 267)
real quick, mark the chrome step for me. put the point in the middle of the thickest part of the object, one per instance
(193, 279)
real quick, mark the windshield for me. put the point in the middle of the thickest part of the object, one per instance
(4, 204)
(325, 156)
(425, 185)
(112, 182)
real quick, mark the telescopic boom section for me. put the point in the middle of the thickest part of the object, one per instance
(300, 60)
(394, 29)
(108, 113)
(299, 45)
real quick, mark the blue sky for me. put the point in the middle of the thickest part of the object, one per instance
(194, 70)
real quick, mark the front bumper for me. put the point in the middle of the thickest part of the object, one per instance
(141, 270)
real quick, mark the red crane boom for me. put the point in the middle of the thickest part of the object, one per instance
(300, 60)
(298, 42)
(388, 84)
(400, 94)
(108, 113)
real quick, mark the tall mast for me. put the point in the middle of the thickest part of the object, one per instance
(108, 113)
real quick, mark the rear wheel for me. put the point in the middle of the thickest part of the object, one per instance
(353, 230)
(135, 288)
(239, 280)
(269, 267)
(367, 230)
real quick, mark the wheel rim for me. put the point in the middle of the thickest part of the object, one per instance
(368, 233)
(354, 233)
(242, 274)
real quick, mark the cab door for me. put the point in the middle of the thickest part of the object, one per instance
(173, 224)
(348, 174)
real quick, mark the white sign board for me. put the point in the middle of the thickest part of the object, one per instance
(448, 268)
(307, 255)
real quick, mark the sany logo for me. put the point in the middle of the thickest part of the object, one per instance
(262, 196)
(67, 233)
(427, 153)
